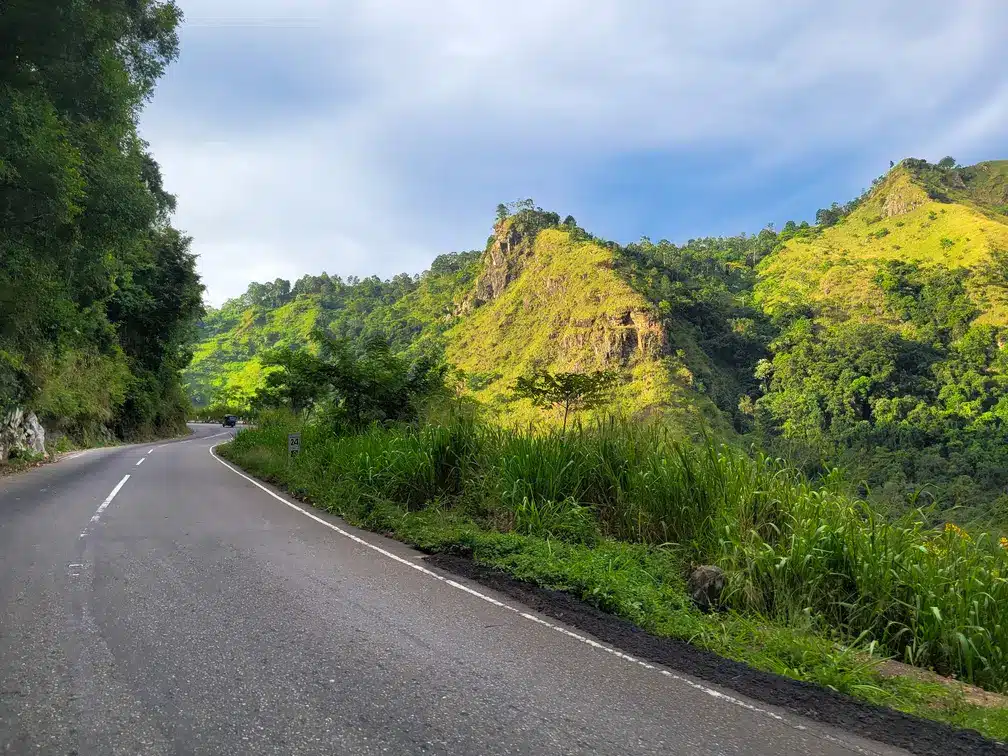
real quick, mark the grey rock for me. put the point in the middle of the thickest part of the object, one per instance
(705, 586)
(20, 433)
(34, 434)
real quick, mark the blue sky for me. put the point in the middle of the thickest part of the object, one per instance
(367, 137)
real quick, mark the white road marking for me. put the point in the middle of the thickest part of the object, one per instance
(151, 450)
(104, 504)
(520, 612)
(141, 461)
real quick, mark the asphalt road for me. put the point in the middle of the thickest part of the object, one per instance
(196, 612)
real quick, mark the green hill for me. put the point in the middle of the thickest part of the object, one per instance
(412, 312)
(547, 300)
(889, 355)
(957, 219)
(874, 340)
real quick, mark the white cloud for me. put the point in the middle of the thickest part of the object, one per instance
(410, 120)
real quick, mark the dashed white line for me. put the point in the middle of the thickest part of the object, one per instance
(104, 504)
(151, 450)
(525, 615)
(141, 461)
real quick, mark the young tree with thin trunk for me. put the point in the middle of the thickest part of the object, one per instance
(571, 391)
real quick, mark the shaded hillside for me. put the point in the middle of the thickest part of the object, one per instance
(97, 291)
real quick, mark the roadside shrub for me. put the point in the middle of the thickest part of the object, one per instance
(794, 552)
(564, 520)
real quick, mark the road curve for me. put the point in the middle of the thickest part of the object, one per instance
(195, 611)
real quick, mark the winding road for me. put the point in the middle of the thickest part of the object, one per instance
(157, 601)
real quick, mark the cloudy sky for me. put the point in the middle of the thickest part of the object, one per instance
(367, 137)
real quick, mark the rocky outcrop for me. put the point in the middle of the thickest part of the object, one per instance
(900, 195)
(617, 339)
(900, 204)
(503, 262)
(613, 337)
(20, 434)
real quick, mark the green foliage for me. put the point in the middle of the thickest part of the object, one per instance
(901, 408)
(411, 313)
(888, 358)
(96, 289)
(873, 340)
(570, 391)
(527, 219)
(299, 382)
(348, 384)
(702, 291)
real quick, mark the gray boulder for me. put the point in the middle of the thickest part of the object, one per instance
(21, 433)
(34, 434)
(705, 586)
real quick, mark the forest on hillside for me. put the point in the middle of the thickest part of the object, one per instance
(910, 402)
(98, 292)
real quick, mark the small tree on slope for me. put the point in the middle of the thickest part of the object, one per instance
(572, 391)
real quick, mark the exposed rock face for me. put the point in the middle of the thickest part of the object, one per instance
(614, 338)
(902, 196)
(897, 204)
(504, 261)
(705, 587)
(21, 433)
(618, 338)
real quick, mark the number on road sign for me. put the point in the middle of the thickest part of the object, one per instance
(293, 443)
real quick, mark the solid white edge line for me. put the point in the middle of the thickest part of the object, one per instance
(525, 615)
(104, 504)
(141, 461)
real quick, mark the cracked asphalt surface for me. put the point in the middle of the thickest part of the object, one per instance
(198, 614)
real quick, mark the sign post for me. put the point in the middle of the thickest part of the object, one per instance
(293, 444)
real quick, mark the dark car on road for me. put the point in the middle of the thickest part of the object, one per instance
(229, 421)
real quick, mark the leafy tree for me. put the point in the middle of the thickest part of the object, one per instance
(571, 391)
(91, 272)
(947, 163)
(298, 382)
(349, 383)
(829, 216)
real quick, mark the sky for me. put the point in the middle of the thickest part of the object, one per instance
(366, 138)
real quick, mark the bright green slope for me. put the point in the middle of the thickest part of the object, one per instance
(226, 361)
(568, 310)
(413, 312)
(959, 226)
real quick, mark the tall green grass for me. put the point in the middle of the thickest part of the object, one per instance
(795, 553)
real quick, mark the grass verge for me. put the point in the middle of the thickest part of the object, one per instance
(529, 511)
